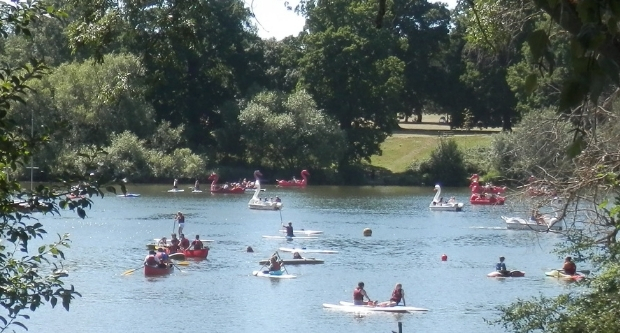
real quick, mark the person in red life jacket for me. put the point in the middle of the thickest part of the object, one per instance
(184, 244)
(174, 244)
(358, 295)
(151, 259)
(398, 294)
(569, 266)
(197, 244)
(163, 258)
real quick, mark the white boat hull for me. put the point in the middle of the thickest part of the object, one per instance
(397, 307)
(456, 207)
(272, 276)
(265, 205)
(129, 195)
(288, 249)
(517, 223)
(304, 232)
(175, 191)
(196, 191)
(294, 237)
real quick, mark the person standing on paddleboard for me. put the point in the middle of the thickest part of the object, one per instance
(358, 295)
(289, 229)
(180, 218)
(197, 185)
(175, 183)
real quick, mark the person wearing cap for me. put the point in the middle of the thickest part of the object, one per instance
(501, 266)
(180, 218)
(569, 266)
(184, 242)
(289, 229)
(151, 259)
(358, 295)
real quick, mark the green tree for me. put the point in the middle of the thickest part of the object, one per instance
(351, 71)
(289, 132)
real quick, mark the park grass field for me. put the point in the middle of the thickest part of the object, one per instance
(415, 142)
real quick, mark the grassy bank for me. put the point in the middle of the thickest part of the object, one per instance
(400, 151)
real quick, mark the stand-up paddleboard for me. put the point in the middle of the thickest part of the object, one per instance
(363, 308)
(128, 195)
(177, 256)
(560, 275)
(497, 274)
(304, 250)
(294, 237)
(176, 190)
(304, 232)
(396, 307)
(196, 191)
(273, 276)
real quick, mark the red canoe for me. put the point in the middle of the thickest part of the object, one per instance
(156, 271)
(215, 188)
(202, 253)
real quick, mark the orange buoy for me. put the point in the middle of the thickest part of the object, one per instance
(444, 257)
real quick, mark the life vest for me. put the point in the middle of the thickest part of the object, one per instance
(197, 245)
(185, 243)
(162, 256)
(151, 261)
(397, 295)
(358, 295)
(174, 245)
(570, 268)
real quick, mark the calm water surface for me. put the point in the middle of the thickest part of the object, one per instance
(221, 295)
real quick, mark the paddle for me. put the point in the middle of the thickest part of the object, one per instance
(173, 223)
(131, 270)
(177, 267)
(280, 259)
(183, 263)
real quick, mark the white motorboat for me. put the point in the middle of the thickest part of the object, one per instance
(517, 223)
(438, 204)
(257, 203)
(304, 232)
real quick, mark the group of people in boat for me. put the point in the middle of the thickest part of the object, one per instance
(398, 295)
(450, 201)
(270, 200)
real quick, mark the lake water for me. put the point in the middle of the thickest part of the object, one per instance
(221, 295)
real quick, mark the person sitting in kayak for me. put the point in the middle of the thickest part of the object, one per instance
(289, 229)
(569, 266)
(278, 199)
(296, 255)
(163, 258)
(162, 242)
(184, 243)
(174, 244)
(274, 265)
(398, 294)
(151, 259)
(197, 244)
(501, 267)
(358, 295)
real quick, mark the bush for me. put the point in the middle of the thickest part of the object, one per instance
(446, 166)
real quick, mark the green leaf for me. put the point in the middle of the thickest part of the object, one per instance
(538, 42)
(81, 212)
(20, 325)
(531, 82)
(53, 301)
(111, 189)
(41, 249)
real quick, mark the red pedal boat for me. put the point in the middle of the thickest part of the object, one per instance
(202, 253)
(157, 271)
(477, 188)
(215, 188)
(486, 199)
(295, 182)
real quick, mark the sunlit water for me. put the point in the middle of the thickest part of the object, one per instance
(221, 295)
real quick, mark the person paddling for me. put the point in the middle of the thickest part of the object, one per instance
(175, 183)
(197, 243)
(289, 229)
(174, 244)
(151, 259)
(358, 295)
(197, 185)
(162, 257)
(501, 267)
(184, 243)
(569, 266)
(180, 218)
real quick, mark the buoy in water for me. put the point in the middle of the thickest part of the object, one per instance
(444, 257)
(367, 232)
(249, 249)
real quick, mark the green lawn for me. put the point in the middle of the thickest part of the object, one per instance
(400, 151)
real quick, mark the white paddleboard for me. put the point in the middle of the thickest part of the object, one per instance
(128, 195)
(175, 191)
(363, 308)
(304, 232)
(304, 250)
(295, 237)
(382, 308)
(196, 191)
(267, 275)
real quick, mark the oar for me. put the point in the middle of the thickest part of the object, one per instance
(131, 271)
(177, 267)
(173, 223)
(280, 258)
